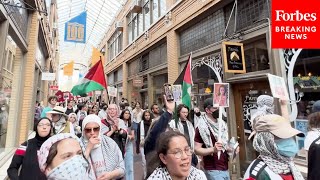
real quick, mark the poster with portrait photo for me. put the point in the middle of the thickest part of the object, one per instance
(177, 93)
(221, 95)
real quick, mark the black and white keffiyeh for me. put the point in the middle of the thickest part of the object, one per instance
(205, 127)
(162, 173)
(264, 143)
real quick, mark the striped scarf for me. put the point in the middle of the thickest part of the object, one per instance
(264, 143)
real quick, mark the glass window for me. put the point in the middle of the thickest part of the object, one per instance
(135, 27)
(146, 13)
(163, 7)
(130, 37)
(155, 10)
(205, 32)
(249, 12)
(306, 82)
(115, 44)
(256, 55)
(141, 29)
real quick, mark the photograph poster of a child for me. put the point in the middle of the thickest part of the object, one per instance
(221, 95)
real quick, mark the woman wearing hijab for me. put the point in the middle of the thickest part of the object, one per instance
(174, 155)
(114, 127)
(275, 142)
(103, 153)
(26, 155)
(72, 117)
(61, 157)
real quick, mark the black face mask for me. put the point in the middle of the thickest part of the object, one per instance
(215, 114)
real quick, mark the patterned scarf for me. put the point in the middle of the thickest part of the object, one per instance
(264, 143)
(113, 120)
(265, 106)
(162, 173)
(205, 127)
(110, 153)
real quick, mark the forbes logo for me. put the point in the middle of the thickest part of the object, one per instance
(281, 15)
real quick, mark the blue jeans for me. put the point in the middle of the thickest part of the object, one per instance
(135, 128)
(217, 175)
(128, 160)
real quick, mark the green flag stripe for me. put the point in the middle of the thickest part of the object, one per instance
(186, 98)
(86, 87)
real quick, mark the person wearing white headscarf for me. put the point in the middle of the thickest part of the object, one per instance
(102, 152)
(57, 166)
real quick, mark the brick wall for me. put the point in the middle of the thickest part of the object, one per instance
(28, 88)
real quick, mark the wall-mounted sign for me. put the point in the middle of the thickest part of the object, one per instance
(137, 82)
(48, 76)
(54, 87)
(233, 57)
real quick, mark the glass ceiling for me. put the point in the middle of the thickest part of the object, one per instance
(100, 15)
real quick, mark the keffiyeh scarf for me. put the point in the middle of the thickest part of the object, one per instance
(265, 106)
(264, 143)
(205, 127)
(162, 173)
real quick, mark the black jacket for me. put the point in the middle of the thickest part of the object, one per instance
(314, 160)
(28, 162)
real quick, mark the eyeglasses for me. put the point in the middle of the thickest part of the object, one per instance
(89, 130)
(178, 153)
(41, 125)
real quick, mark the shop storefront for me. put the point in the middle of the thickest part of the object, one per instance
(304, 89)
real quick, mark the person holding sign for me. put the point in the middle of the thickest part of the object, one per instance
(208, 143)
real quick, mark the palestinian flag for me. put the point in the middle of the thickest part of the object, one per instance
(187, 84)
(94, 80)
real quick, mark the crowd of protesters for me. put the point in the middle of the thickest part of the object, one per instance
(92, 140)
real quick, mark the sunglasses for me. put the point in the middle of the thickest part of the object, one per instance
(89, 130)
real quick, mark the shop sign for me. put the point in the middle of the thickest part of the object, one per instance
(137, 82)
(233, 56)
(48, 76)
(54, 87)
(278, 87)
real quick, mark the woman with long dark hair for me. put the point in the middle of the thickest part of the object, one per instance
(142, 133)
(128, 156)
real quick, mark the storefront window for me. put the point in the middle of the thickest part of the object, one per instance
(256, 55)
(6, 80)
(306, 80)
(203, 79)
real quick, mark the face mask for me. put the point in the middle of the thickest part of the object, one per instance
(287, 147)
(215, 114)
(74, 168)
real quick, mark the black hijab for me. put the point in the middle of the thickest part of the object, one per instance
(41, 140)
(30, 167)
